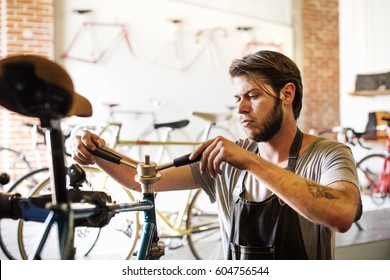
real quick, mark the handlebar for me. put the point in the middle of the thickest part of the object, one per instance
(347, 135)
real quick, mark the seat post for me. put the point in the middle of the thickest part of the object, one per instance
(60, 201)
(206, 131)
(55, 148)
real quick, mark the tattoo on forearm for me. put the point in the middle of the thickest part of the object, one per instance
(319, 191)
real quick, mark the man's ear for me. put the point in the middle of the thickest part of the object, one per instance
(287, 94)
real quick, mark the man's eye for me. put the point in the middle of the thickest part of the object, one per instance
(236, 100)
(252, 96)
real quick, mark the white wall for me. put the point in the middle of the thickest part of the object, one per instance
(133, 81)
(364, 49)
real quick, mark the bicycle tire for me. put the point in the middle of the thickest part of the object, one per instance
(202, 220)
(8, 228)
(98, 245)
(369, 169)
(25, 184)
(14, 163)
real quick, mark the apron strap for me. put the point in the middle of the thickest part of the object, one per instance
(239, 189)
(294, 150)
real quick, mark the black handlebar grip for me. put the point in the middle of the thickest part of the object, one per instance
(107, 155)
(184, 160)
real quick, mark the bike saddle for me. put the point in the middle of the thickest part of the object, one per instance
(34, 86)
(213, 117)
(173, 125)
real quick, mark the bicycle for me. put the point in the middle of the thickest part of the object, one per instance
(36, 181)
(374, 171)
(33, 209)
(34, 100)
(59, 208)
(179, 225)
(95, 55)
(175, 223)
(173, 55)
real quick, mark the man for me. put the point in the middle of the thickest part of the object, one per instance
(281, 194)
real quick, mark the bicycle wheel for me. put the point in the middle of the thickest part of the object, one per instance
(14, 163)
(205, 238)
(25, 184)
(369, 171)
(116, 240)
(8, 227)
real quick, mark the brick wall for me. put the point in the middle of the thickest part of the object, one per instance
(320, 42)
(27, 26)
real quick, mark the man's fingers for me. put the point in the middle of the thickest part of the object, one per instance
(211, 156)
(215, 160)
(81, 150)
(200, 149)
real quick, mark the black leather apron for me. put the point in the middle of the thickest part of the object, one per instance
(268, 229)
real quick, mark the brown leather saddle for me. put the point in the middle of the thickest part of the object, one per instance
(35, 86)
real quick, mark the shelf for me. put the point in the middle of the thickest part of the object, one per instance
(370, 92)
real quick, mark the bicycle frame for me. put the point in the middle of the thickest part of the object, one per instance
(86, 27)
(204, 41)
(375, 169)
(382, 185)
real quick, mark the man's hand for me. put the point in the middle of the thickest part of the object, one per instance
(218, 150)
(82, 146)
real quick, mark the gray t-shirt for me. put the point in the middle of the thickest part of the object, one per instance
(324, 161)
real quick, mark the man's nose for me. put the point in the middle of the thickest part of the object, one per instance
(243, 106)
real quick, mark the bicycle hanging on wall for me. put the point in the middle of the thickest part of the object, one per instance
(87, 49)
(174, 53)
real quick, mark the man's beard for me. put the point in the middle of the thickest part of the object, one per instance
(270, 126)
